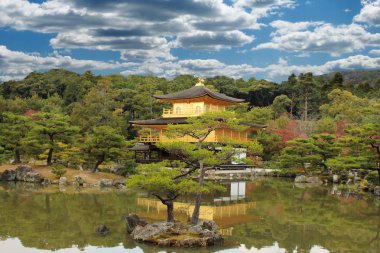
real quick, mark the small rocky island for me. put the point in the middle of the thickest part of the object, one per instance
(174, 234)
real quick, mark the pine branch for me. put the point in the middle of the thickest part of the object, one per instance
(186, 173)
(160, 198)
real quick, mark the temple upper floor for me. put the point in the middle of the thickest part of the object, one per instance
(195, 101)
(191, 109)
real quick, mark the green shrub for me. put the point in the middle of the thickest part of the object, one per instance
(58, 170)
(373, 178)
(106, 170)
(285, 173)
(129, 168)
(343, 178)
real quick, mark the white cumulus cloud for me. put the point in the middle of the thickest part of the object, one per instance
(370, 13)
(319, 37)
(16, 64)
(131, 26)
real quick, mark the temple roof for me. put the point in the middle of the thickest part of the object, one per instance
(180, 120)
(199, 91)
(141, 147)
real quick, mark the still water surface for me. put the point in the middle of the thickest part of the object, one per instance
(265, 215)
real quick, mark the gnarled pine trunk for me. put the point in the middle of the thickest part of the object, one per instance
(170, 211)
(50, 157)
(198, 197)
(97, 166)
(169, 204)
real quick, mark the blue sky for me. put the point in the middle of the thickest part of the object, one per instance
(239, 38)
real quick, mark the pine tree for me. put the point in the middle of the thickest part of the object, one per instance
(167, 184)
(13, 132)
(49, 129)
(201, 156)
(103, 143)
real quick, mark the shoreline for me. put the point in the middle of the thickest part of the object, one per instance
(42, 175)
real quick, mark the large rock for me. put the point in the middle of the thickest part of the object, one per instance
(309, 180)
(119, 183)
(46, 181)
(174, 234)
(300, 179)
(33, 177)
(22, 171)
(208, 225)
(335, 179)
(8, 175)
(314, 180)
(151, 231)
(62, 181)
(134, 220)
(105, 183)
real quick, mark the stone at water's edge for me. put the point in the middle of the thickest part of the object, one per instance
(23, 173)
(62, 180)
(8, 175)
(314, 180)
(33, 177)
(102, 230)
(174, 234)
(132, 221)
(105, 183)
(300, 179)
(310, 180)
(119, 183)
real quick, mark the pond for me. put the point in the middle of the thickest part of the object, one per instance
(263, 215)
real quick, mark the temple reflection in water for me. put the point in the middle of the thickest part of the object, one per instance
(227, 210)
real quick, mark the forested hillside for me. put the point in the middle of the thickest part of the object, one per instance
(356, 77)
(82, 119)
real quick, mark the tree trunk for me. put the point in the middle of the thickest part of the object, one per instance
(50, 157)
(304, 168)
(198, 197)
(51, 150)
(170, 211)
(96, 166)
(17, 157)
(306, 101)
(377, 147)
(169, 205)
(291, 108)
